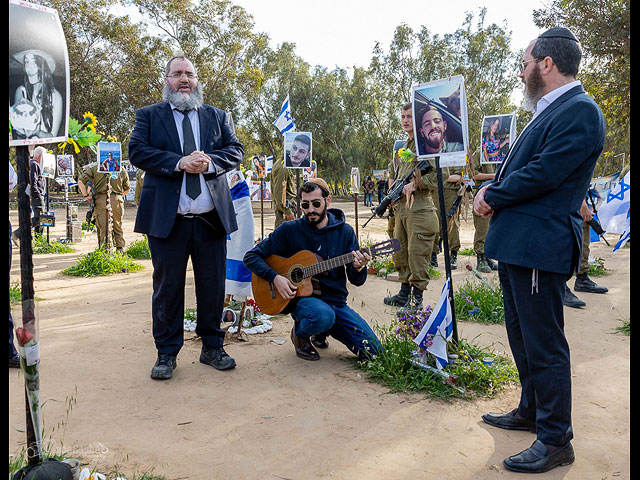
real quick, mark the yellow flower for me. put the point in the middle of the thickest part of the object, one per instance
(91, 118)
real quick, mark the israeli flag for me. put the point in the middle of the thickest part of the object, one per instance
(268, 164)
(238, 279)
(615, 213)
(284, 123)
(438, 329)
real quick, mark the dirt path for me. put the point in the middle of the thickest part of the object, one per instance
(276, 416)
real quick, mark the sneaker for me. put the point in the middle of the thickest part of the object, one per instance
(164, 367)
(585, 284)
(570, 300)
(217, 358)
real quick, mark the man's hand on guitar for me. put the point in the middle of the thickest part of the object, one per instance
(360, 259)
(285, 288)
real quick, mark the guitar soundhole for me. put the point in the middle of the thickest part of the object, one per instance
(297, 275)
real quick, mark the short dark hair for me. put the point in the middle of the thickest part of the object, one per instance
(303, 139)
(566, 53)
(309, 187)
(407, 106)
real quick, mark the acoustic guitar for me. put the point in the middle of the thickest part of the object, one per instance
(299, 269)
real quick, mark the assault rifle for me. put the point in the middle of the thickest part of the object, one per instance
(395, 191)
(594, 223)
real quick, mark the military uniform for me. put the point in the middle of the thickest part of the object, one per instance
(416, 227)
(139, 183)
(282, 189)
(450, 191)
(391, 221)
(481, 226)
(119, 186)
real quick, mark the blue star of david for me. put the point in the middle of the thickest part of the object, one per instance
(620, 195)
(287, 115)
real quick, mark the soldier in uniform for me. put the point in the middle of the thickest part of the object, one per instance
(485, 171)
(450, 188)
(416, 226)
(120, 186)
(139, 183)
(282, 191)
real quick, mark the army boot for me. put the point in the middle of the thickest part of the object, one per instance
(400, 298)
(453, 260)
(413, 304)
(482, 265)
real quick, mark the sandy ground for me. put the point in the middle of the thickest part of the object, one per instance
(277, 416)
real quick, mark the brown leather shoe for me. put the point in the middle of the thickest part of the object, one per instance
(303, 347)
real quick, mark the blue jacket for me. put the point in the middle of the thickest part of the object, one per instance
(538, 190)
(336, 239)
(155, 148)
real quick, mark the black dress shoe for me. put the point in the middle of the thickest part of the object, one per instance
(14, 362)
(217, 358)
(319, 341)
(570, 300)
(585, 284)
(509, 421)
(303, 347)
(164, 367)
(536, 458)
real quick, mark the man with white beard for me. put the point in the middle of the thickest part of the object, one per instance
(185, 147)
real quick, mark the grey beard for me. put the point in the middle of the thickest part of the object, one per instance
(183, 101)
(529, 101)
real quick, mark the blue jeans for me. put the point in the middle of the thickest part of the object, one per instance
(368, 199)
(313, 316)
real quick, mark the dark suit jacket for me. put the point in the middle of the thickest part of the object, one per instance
(536, 200)
(155, 148)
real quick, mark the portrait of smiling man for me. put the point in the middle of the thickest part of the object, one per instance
(433, 132)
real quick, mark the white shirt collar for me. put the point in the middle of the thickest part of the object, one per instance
(553, 95)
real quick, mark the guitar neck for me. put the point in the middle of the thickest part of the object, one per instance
(327, 265)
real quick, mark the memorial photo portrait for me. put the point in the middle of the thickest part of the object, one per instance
(297, 149)
(498, 131)
(38, 76)
(440, 120)
(65, 165)
(109, 157)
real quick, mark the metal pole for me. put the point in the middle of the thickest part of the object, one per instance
(298, 192)
(26, 276)
(261, 212)
(355, 196)
(445, 245)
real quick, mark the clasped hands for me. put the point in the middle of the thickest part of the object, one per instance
(287, 289)
(196, 162)
(482, 208)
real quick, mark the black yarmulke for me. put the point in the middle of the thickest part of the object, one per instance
(559, 32)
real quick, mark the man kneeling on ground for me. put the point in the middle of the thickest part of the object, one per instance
(324, 232)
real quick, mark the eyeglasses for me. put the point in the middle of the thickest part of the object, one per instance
(315, 203)
(190, 76)
(523, 64)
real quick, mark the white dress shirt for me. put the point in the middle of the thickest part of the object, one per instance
(203, 203)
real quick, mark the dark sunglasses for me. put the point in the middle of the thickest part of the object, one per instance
(315, 203)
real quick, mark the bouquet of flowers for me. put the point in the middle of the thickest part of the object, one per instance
(82, 134)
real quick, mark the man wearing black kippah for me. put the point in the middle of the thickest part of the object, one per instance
(536, 234)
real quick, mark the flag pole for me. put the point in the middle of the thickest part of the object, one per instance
(445, 245)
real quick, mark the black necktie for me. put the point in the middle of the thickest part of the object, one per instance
(189, 145)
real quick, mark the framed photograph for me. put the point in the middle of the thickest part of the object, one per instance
(38, 76)
(355, 180)
(397, 145)
(496, 136)
(297, 149)
(65, 165)
(48, 164)
(109, 157)
(440, 123)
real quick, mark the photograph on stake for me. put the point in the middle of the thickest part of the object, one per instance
(440, 120)
(38, 76)
(297, 149)
(496, 136)
(109, 157)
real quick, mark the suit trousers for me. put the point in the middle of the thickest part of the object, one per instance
(203, 239)
(534, 318)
